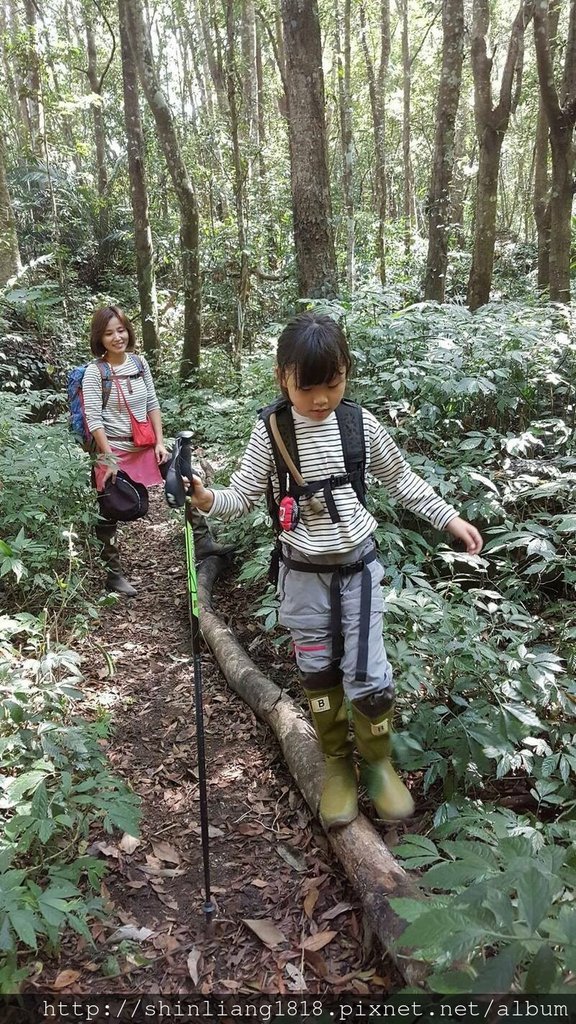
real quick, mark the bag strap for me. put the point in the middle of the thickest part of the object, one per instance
(121, 395)
(284, 451)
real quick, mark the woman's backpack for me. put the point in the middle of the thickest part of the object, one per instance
(77, 416)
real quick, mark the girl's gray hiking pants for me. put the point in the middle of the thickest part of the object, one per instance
(306, 600)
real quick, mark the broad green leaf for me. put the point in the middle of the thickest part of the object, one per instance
(542, 972)
(453, 874)
(534, 897)
(409, 910)
(416, 851)
(565, 524)
(24, 784)
(24, 924)
(451, 982)
(497, 974)
(500, 905)
(430, 929)
(567, 921)
(6, 937)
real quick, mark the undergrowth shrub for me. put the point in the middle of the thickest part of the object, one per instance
(55, 783)
(46, 511)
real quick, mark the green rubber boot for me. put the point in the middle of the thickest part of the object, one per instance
(373, 726)
(339, 799)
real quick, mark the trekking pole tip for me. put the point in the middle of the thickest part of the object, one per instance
(209, 911)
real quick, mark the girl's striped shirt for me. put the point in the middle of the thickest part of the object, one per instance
(321, 455)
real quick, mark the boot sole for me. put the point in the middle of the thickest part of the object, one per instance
(338, 822)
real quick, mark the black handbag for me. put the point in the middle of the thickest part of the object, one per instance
(123, 500)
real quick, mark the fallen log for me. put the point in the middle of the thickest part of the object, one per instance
(370, 866)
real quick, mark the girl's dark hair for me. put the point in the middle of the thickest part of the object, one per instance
(313, 347)
(100, 319)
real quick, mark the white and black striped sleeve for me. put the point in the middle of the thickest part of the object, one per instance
(249, 482)
(389, 465)
(92, 395)
(151, 398)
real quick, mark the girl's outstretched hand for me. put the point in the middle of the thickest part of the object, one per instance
(199, 496)
(467, 533)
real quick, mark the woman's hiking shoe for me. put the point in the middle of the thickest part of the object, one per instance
(120, 585)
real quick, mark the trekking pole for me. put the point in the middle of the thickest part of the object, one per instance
(181, 466)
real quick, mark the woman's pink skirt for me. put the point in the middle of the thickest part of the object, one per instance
(141, 466)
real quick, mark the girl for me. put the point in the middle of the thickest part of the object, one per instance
(112, 340)
(329, 582)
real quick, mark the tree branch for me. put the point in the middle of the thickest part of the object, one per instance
(274, 46)
(113, 50)
(513, 65)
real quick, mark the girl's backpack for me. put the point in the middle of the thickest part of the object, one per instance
(77, 416)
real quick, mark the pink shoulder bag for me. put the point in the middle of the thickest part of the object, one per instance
(143, 433)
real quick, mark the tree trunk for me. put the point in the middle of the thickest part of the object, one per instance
(541, 198)
(192, 34)
(407, 190)
(480, 279)
(10, 264)
(139, 194)
(561, 202)
(239, 192)
(249, 79)
(183, 186)
(213, 58)
(491, 126)
(311, 205)
(446, 110)
(377, 91)
(459, 182)
(99, 134)
(368, 863)
(34, 98)
(260, 99)
(346, 139)
(560, 108)
(20, 69)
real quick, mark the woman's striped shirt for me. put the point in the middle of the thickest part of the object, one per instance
(138, 390)
(321, 455)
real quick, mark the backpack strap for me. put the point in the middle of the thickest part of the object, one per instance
(106, 375)
(139, 362)
(351, 425)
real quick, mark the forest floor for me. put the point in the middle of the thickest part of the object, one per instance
(287, 919)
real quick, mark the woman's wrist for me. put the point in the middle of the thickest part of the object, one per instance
(107, 458)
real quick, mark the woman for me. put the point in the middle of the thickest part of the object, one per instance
(112, 339)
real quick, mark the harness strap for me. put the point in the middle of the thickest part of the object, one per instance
(338, 573)
(326, 486)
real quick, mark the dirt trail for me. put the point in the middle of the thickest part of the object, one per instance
(270, 862)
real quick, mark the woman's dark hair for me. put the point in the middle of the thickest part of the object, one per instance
(313, 347)
(100, 319)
